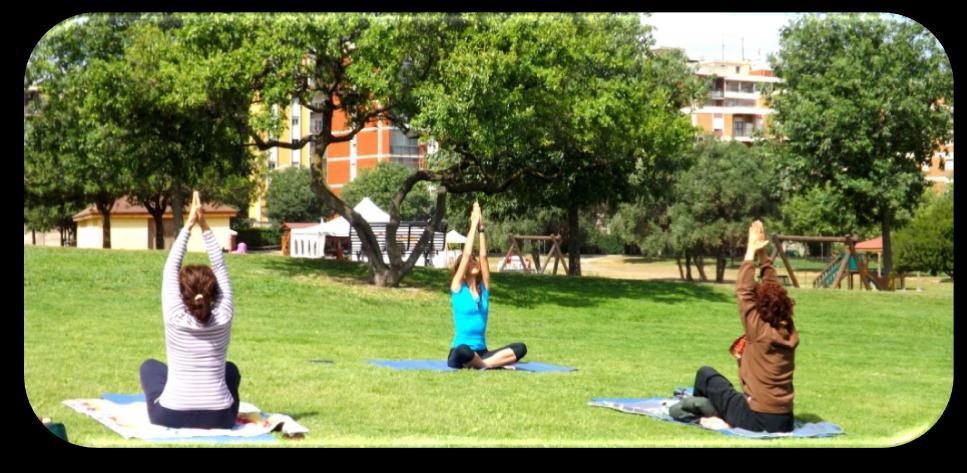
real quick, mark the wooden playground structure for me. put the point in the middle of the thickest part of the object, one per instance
(845, 265)
(555, 252)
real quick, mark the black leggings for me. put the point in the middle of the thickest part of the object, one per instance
(462, 354)
(732, 406)
(154, 376)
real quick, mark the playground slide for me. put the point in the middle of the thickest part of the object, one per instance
(828, 276)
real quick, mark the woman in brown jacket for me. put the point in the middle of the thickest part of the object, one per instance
(767, 363)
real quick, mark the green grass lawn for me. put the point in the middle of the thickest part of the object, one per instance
(878, 364)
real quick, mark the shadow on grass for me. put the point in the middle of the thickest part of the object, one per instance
(517, 289)
(297, 415)
(809, 418)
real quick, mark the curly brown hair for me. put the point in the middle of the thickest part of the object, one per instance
(773, 304)
(199, 289)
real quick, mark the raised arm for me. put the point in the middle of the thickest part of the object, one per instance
(745, 281)
(171, 303)
(457, 280)
(484, 265)
(225, 303)
(766, 269)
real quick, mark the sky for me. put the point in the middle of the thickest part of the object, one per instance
(703, 34)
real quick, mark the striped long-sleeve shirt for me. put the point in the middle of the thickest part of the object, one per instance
(196, 352)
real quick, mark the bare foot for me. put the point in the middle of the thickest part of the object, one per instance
(714, 423)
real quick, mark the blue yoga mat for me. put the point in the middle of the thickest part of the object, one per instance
(123, 398)
(441, 365)
(652, 407)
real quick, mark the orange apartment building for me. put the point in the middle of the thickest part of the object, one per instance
(379, 141)
(940, 171)
(735, 107)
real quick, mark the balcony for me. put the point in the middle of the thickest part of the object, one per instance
(742, 95)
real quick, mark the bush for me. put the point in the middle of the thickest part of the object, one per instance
(259, 237)
(927, 242)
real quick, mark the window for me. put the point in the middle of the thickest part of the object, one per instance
(747, 87)
(400, 144)
(411, 162)
(742, 128)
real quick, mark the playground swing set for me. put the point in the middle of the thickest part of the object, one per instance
(844, 265)
(555, 253)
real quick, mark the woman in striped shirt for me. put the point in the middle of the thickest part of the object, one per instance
(198, 389)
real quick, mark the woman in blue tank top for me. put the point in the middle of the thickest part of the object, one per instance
(470, 299)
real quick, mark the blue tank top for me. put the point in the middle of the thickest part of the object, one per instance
(470, 317)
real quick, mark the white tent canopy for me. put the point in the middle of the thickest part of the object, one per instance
(370, 212)
(339, 226)
(453, 237)
(336, 227)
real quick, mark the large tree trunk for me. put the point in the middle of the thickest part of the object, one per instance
(177, 208)
(574, 242)
(386, 277)
(379, 272)
(159, 231)
(156, 207)
(104, 206)
(887, 263)
(33, 237)
(678, 261)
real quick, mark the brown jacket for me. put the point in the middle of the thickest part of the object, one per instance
(769, 358)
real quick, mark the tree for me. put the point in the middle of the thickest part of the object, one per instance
(729, 185)
(69, 149)
(598, 105)
(130, 110)
(492, 90)
(364, 66)
(181, 121)
(406, 68)
(927, 242)
(381, 185)
(863, 104)
(290, 198)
